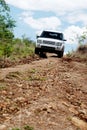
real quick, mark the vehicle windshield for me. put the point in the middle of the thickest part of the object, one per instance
(53, 35)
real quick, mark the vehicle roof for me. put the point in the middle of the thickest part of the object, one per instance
(53, 31)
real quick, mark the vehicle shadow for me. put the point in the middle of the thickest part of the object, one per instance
(51, 55)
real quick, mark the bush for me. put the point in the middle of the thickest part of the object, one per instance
(28, 128)
(82, 49)
(18, 48)
(25, 128)
(80, 54)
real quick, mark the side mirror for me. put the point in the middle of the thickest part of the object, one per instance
(37, 36)
(64, 40)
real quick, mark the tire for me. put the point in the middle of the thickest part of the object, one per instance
(37, 51)
(42, 55)
(60, 54)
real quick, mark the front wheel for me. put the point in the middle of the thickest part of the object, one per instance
(43, 55)
(37, 51)
(60, 54)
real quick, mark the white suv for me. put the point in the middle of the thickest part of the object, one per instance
(50, 41)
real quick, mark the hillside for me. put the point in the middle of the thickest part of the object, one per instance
(48, 94)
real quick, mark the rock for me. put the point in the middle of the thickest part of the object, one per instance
(73, 110)
(79, 123)
(3, 127)
(83, 112)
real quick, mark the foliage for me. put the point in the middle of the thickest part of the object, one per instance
(81, 53)
(6, 23)
(18, 49)
(81, 39)
(28, 128)
(6, 27)
(82, 49)
(10, 46)
(3, 6)
(15, 129)
(69, 54)
(25, 128)
(22, 47)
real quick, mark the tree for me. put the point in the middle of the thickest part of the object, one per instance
(6, 29)
(82, 39)
(6, 23)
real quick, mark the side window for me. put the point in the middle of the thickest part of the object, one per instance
(61, 36)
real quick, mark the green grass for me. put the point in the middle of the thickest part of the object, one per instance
(15, 129)
(38, 78)
(14, 75)
(27, 127)
(69, 54)
(33, 70)
(2, 86)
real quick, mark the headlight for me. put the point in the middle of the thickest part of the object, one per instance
(59, 44)
(39, 41)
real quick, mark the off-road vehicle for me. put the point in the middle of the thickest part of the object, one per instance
(50, 41)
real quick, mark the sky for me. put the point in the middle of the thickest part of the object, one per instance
(33, 16)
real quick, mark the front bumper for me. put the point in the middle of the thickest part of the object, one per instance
(49, 49)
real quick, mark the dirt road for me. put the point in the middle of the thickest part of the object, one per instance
(49, 94)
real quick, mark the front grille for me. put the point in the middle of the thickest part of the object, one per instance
(48, 42)
(48, 48)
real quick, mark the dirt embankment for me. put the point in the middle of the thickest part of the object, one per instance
(49, 94)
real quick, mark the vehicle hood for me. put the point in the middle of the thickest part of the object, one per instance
(49, 39)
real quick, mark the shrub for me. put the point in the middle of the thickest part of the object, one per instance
(28, 128)
(82, 49)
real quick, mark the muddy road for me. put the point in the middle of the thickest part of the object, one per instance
(48, 94)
